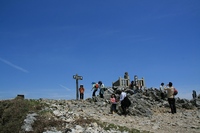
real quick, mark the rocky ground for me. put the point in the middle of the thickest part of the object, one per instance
(184, 121)
(147, 113)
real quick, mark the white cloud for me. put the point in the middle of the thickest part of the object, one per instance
(13, 65)
(64, 87)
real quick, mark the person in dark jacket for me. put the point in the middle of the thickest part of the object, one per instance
(101, 89)
(125, 102)
(194, 94)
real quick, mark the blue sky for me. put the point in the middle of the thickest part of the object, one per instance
(43, 43)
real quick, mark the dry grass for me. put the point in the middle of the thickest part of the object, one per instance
(13, 112)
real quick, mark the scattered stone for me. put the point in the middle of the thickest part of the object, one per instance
(147, 113)
(28, 122)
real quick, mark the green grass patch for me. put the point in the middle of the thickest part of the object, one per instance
(13, 112)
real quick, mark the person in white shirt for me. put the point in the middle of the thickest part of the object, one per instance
(122, 96)
(125, 102)
(162, 91)
(101, 87)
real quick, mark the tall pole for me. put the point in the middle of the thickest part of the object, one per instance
(77, 78)
(76, 89)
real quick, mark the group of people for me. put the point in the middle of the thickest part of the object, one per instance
(125, 102)
(169, 89)
(123, 99)
(95, 87)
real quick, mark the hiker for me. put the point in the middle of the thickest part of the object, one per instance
(114, 103)
(125, 102)
(162, 91)
(194, 94)
(101, 87)
(170, 96)
(95, 87)
(81, 90)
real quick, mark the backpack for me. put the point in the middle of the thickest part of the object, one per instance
(96, 86)
(127, 102)
(175, 91)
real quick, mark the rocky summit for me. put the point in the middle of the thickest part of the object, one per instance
(147, 113)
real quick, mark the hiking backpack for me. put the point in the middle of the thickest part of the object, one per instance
(175, 91)
(96, 86)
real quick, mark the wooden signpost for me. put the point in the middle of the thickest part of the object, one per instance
(77, 78)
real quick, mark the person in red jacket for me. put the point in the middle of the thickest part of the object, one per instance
(81, 90)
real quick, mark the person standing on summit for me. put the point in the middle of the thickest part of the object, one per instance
(101, 87)
(162, 91)
(194, 94)
(81, 90)
(171, 99)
